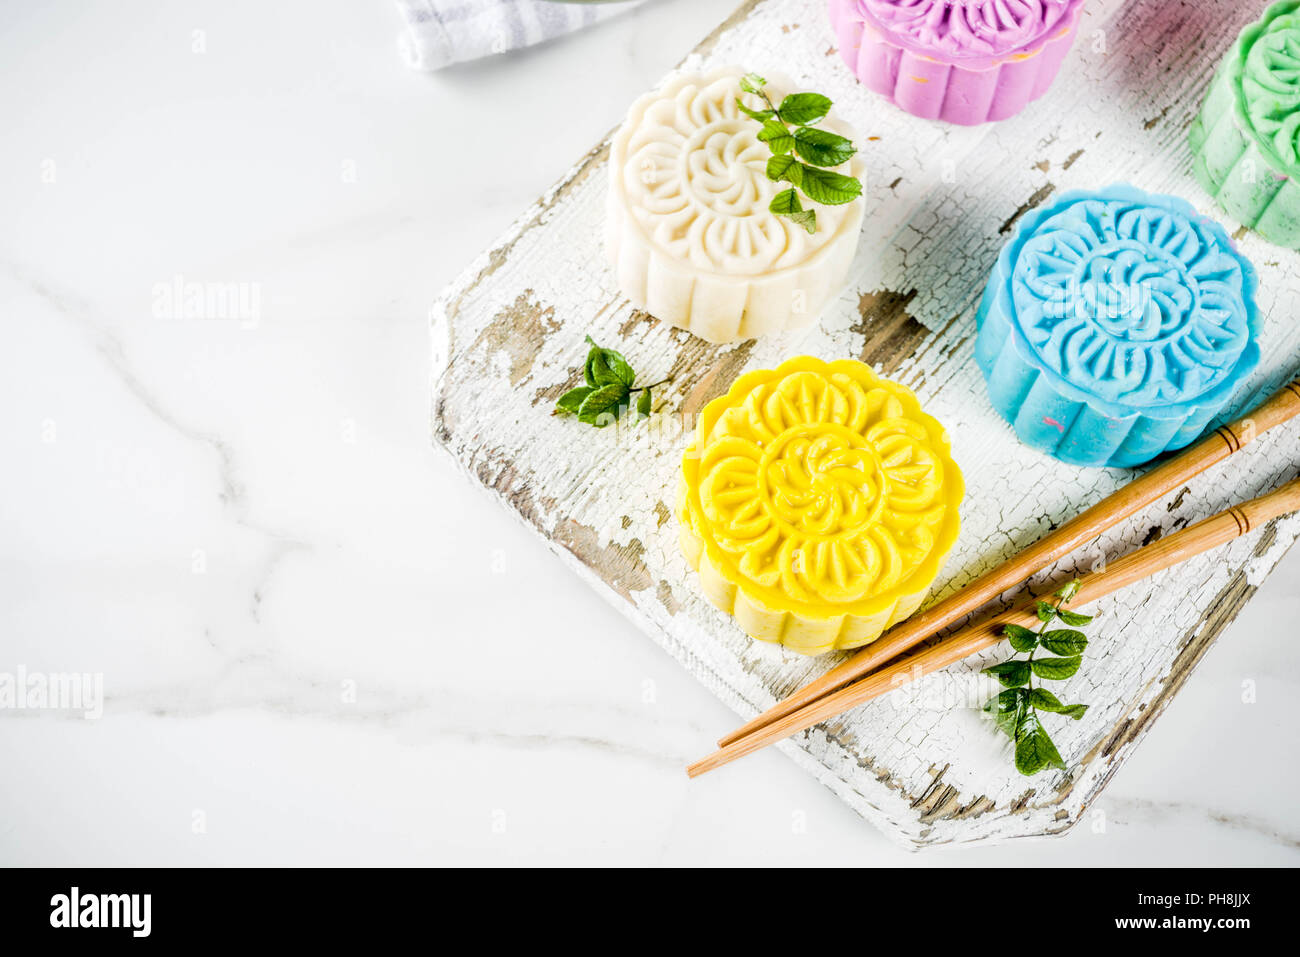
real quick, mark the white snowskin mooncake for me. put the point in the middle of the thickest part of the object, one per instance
(689, 231)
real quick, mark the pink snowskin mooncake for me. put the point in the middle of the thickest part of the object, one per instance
(963, 61)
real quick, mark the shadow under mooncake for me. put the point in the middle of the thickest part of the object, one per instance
(818, 503)
(1116, 325)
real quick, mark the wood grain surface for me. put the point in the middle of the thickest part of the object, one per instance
(919, 762)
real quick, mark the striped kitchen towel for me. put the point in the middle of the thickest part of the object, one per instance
(442, 32)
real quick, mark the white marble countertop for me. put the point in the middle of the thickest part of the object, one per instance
(319, 644)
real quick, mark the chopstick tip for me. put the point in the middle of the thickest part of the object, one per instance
(700, 767)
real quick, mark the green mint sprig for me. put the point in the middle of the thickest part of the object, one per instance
(608, 391)
(1015, 710)
(802, 154)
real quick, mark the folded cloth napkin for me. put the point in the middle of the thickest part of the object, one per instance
(442, 32)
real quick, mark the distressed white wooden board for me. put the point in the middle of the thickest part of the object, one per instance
(920, 763)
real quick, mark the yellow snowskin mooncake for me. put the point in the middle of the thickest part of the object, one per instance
(817, 503)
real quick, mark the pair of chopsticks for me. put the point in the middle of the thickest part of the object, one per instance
(857, 680)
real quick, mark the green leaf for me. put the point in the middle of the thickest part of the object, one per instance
(779, 166)
(777, 137)
(1044, 700)
(1045, 611)
(600, 408)
(571, 400)
(1073, 617)
(752, 82)
(821, 147)
(1034, 749)
(595, 365)
(1029, 760)
(794, 173)
(760, 115)
(1007, 710)
(807, 219)
(1005, 701)
(828, 188)
(1022, 639)
(607, 367)
(1064, 641)
(1067, 591)
(786, 203)
(1054, 669)
(803, 108)
(1012, 674)
(643, 404)
(619, 367)
(1008, 721)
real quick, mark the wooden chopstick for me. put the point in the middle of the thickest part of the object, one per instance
(1139, 564)
(1223, 442)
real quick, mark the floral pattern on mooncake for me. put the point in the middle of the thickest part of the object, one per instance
(689, 231)
(818, 503)
(1246, 139)
(961, 61)
(1116, 325)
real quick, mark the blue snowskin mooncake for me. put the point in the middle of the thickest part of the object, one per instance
(1116, 325)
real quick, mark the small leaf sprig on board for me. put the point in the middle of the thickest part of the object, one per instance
(791, 134)
(608, 390)
(1015, 710)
